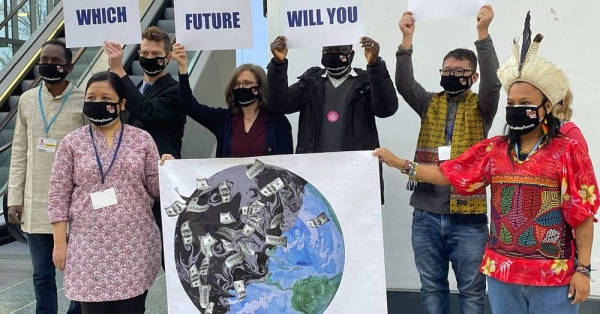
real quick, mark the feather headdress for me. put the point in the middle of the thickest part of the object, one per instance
(526, 66)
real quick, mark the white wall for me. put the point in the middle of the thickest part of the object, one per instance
(570, 29)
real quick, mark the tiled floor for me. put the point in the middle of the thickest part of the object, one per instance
(16, 288)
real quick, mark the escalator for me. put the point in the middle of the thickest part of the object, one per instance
(20, 73)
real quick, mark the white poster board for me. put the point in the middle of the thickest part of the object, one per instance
(88, 23)
(214, 24)
(317, 23)
(434, 9)
(276, 234)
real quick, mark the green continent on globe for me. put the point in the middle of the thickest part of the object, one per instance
(313, 294)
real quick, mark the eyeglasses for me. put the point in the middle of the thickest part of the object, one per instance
(459, 72)
(245, 84)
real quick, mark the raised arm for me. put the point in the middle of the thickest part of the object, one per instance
(282, 98)
(411, 91)
(209, 117)
(384, 101)
(489, 87)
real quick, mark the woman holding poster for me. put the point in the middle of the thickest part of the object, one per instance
(543, 190)
(245, 128)
(103, 183)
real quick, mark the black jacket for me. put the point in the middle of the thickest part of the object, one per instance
(372, 95)
(158, 112)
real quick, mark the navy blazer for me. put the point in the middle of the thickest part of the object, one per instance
(218, 121)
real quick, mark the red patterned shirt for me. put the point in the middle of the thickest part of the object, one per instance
(113, 252)
(534, 206)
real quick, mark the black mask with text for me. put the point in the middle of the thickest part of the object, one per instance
(53, 73)
(453, 86)
(153, 66)
(101, 113)
(523, 119)
(336, 63)
(244, 97)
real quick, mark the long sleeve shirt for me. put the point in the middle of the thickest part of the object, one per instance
(419, 99)
(30, 168)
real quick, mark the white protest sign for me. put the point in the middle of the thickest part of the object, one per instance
(273, 234)
(89, 23)
(214, 24)
(434, 9)
(317, 23)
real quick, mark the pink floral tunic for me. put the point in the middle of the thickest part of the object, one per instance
(535, 206)
(113, 252)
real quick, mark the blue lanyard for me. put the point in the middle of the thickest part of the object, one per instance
(46, 124)
(531, 151)
(102, 174)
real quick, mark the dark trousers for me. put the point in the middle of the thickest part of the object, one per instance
(135, 305)
(44, 275)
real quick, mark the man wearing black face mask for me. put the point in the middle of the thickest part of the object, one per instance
(153, 105)
(448, 227)
(46, 114)
(337, 104)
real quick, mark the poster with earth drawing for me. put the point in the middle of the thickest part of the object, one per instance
(274, 234)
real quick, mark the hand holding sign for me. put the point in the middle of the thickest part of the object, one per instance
(115, 57)
(371, 49)
(279, 49)
(407, 27)
(180, 57)
(484, 19)
(407, 24)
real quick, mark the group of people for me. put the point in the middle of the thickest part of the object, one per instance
(95, 213)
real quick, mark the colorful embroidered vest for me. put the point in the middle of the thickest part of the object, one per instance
(468, 130)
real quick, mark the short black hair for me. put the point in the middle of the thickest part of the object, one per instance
(463, 54)
(58, 42)
(114, 80)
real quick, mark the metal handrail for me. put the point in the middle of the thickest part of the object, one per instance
(12, 13)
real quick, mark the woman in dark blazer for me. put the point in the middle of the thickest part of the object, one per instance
(245, 128)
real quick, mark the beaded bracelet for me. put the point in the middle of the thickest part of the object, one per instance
(406, 167)
(412, 172)
(584, 270)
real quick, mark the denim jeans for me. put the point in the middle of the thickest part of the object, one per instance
(44, 275)
(507, 298)
(437, 241)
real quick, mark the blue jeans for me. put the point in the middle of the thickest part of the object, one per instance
(522, 299)
(437, 241)
(44, 275)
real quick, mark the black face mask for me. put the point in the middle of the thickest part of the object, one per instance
(523, 119)
(53, 73)
(152, 67)
(452, 85)
(101, 113)
(336, 63)
(244, 97)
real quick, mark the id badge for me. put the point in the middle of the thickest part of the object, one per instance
(444, 153)
(104, 198)
(47, 145)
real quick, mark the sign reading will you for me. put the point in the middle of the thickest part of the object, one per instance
(114, 20)
(213, 24)
(316, 23)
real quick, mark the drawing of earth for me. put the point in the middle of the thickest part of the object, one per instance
(258, 239)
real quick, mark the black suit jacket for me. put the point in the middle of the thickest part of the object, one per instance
(158, 112)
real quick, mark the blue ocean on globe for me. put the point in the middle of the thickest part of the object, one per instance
(305, 275)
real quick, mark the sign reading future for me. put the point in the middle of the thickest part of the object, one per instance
(213, 24)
